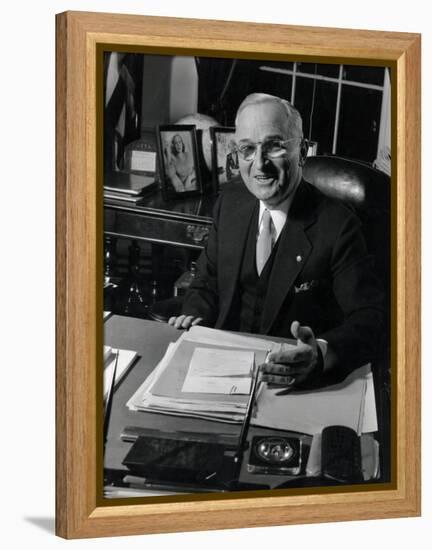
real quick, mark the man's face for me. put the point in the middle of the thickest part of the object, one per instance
(270, 180)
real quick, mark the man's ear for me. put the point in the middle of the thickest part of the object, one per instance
(304, 147)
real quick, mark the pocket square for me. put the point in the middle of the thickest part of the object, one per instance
(304, 287)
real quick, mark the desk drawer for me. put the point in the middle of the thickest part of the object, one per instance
(155, 229)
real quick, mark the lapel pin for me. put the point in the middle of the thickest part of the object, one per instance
(298, 258)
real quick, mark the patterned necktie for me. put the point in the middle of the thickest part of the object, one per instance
(264, 242)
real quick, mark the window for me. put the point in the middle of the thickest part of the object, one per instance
(342, 106)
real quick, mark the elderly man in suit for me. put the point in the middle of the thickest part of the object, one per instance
(282, 259)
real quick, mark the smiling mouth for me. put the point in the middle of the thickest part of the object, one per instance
(265, 180)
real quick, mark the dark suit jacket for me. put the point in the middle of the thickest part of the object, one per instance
(322, 274)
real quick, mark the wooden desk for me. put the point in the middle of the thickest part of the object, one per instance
(150, 340)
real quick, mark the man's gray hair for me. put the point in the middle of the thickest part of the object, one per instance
(295, 124)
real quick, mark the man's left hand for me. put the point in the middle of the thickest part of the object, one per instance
(292, 365)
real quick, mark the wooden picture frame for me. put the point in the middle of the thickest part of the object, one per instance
(80, 509)
(172, 183)
(220, 150)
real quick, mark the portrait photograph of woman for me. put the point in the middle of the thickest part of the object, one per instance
(179, 167)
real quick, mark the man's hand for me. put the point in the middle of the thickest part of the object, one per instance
(184, 321)
(291, 365)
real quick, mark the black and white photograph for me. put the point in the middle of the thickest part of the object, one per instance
(247, 333)
(225, 156)
(178, 157)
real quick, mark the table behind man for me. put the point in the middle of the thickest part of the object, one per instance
(283, 259)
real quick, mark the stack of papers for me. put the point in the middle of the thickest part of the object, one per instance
(125, 359)
(121, 186)
(207, 374)
(202, 377)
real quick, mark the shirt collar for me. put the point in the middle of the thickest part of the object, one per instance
(279, 214)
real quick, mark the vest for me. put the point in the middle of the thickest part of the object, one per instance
(253, 287)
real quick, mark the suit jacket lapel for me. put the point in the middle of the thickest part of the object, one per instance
(235, 234)
(293, 251)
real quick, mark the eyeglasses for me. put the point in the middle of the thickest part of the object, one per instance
(271, 148)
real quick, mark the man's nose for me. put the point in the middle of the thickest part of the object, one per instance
(260, 159)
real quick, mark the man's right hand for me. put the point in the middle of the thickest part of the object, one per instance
(184, 321)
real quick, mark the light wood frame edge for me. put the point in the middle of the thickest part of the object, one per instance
(76, 259)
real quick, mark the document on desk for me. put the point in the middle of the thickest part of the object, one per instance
(219, 371)
(217, 385)
(227, 339)
(370, 421)
(311, 411)
(125, 360)
(221, 362)
(164, 390)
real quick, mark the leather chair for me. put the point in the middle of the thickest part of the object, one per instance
(365, 190)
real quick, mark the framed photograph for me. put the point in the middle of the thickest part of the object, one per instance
(175, 377)
(140, 155)
(178, 158)
(224, 155)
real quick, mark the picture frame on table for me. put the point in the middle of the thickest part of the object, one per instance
(224, 156)
(179, 168)
(82, 506)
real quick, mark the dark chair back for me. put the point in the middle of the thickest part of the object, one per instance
(365, 190)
